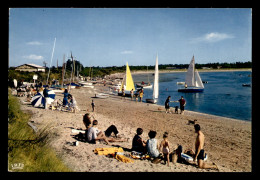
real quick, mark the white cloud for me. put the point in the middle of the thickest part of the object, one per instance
(33, 57)
(127, 52)
(212, 37)
(34, 43)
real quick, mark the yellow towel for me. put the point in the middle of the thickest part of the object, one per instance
(106, 151)
(124, 159)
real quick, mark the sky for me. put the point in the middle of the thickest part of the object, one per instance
(113, 36)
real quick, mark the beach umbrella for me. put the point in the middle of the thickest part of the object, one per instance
(38, 99)
(51, 95)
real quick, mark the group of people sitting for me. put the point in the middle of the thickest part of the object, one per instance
(156, 151)
(162, 151)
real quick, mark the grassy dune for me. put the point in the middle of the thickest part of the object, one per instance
(28, 151)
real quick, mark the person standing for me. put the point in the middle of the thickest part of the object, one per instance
(123, 93)
(141, 94)
(182, 104)
(46, 96)
(65, 98)
(132, 94)
(165, 148)
(93, 106)
(167, 104)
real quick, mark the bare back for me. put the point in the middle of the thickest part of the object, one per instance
(199, 143)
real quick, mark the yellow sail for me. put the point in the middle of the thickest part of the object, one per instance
(129, 80)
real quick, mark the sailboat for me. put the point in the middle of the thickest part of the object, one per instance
(145, 85)
(155, 84)
(127, 83)
(192, 79)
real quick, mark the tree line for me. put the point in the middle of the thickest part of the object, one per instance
(96, 71)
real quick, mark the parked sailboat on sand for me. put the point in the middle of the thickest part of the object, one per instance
(127, 83)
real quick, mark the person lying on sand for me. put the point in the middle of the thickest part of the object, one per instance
(94, 134)
(176, 156)
(111, 129)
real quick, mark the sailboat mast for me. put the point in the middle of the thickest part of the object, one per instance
(148, 75)
(126, 74)
(62, 74)
(51, 60)
(194, 79)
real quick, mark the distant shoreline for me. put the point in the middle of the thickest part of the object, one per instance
(185, 70)
(121, 74)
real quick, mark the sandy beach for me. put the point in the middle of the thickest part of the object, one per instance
(227, 141)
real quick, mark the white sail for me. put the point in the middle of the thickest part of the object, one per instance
(189, 79)
(198, 80)
(156, 80)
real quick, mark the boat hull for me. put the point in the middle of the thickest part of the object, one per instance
(246, 85)
(143, 86)
(126, 94)
(180, 83)
(153, 101)
(190, 90)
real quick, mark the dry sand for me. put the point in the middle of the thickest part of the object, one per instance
(227, 141)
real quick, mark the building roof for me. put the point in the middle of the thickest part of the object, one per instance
(33, 65)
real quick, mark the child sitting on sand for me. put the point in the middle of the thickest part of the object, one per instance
(152, 145)
(165, 146)
(138, 144)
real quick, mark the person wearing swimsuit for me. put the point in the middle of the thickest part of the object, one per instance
(199, 151)
(165, 146)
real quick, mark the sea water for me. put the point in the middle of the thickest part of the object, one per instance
(223, 95)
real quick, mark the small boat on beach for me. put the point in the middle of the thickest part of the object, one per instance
(155, 84)
(101, 95)
(72, 85)
(127, 83)
(86, 84)
(193, 81)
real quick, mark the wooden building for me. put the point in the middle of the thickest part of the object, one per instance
(30, 68)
